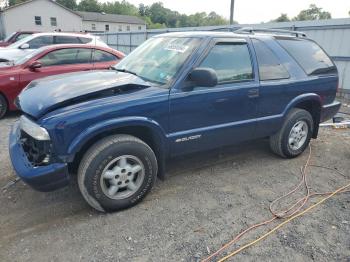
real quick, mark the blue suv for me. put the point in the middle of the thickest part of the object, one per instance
(175, 94)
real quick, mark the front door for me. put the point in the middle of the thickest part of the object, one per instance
(204, 118)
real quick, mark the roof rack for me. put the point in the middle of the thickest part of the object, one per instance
(250, 30)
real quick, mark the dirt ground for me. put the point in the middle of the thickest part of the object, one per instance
(206, 200)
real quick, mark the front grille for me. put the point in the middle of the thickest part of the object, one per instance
(38, 152)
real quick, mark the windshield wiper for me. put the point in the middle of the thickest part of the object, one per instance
(124, 71)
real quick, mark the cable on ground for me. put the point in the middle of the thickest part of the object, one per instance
(290, 213)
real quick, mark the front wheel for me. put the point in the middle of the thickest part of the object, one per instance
(117, 172)
(294, 136)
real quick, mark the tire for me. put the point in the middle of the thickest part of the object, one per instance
(290, 141)
(3, 106)
(119, 161)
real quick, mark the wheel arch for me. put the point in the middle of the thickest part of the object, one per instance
(312, 104)
(145, 129)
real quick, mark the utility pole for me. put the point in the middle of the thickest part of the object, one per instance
(232, 10)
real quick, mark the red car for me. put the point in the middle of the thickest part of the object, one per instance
(14, 37)
(50, 60)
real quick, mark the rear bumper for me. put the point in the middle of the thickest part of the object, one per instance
(41, 178)
(328, 111)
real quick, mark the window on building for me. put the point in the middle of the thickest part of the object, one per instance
(231, 61)
(22, 35)
(120, 28)
(53, 21)
(107, 28)
(67, 56)
(309, 56)
(93, 26)
(270, 68)
(127, 28)
(102, 56)
(140, 27)
(37, 20)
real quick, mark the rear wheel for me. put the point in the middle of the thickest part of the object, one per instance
(117, 172)
(3, 106)
(295, 134)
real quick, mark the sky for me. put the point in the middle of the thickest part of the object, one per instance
(252, 11)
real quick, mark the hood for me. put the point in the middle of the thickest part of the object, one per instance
(50, 93)
(12, 54)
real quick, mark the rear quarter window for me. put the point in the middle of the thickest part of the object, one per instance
(270, 67)
(309, 56)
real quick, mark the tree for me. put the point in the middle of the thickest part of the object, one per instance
(71, 4)
(313, 13)
(282, 18)
(89, 6)
(15, 2)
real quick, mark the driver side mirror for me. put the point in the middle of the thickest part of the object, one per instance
(205, 77)
(35, 65)
(24, 46)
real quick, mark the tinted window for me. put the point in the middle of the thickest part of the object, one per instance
(66, 40)
(67, 56)
(84, 40)
(309, 56)
(231, 61)
(270, 67)
(40, 41)
(102, 56)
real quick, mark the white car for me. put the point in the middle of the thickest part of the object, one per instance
(35, 41)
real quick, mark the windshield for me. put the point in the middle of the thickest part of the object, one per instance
(23, 59)
(158, 59)
(9, 37)
(22, 41)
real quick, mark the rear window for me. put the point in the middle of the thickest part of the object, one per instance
(270, 68)
(309, 56)
(102, 56)
(84, 40)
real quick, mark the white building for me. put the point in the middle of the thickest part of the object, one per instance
(101, 22)
(47, 15)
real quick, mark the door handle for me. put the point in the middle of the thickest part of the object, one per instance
(253, 93)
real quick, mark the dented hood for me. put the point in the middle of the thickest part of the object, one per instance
(50, 93)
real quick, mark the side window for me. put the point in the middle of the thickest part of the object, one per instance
(270, 67)
(308, 55)
(102, 56)
(40, 41)
(84, 40)
(67, 56)
(66, 40)
(231, 61)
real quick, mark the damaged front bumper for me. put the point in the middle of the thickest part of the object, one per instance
(42, 178)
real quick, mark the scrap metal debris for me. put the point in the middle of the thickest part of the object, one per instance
(11, 183)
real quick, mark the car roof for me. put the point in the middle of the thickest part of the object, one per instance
(216, 34)
(58, 46)
(64, 34)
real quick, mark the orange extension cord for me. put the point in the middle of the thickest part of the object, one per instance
(289, 214)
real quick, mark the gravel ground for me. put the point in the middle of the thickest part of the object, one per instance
(206, 200)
